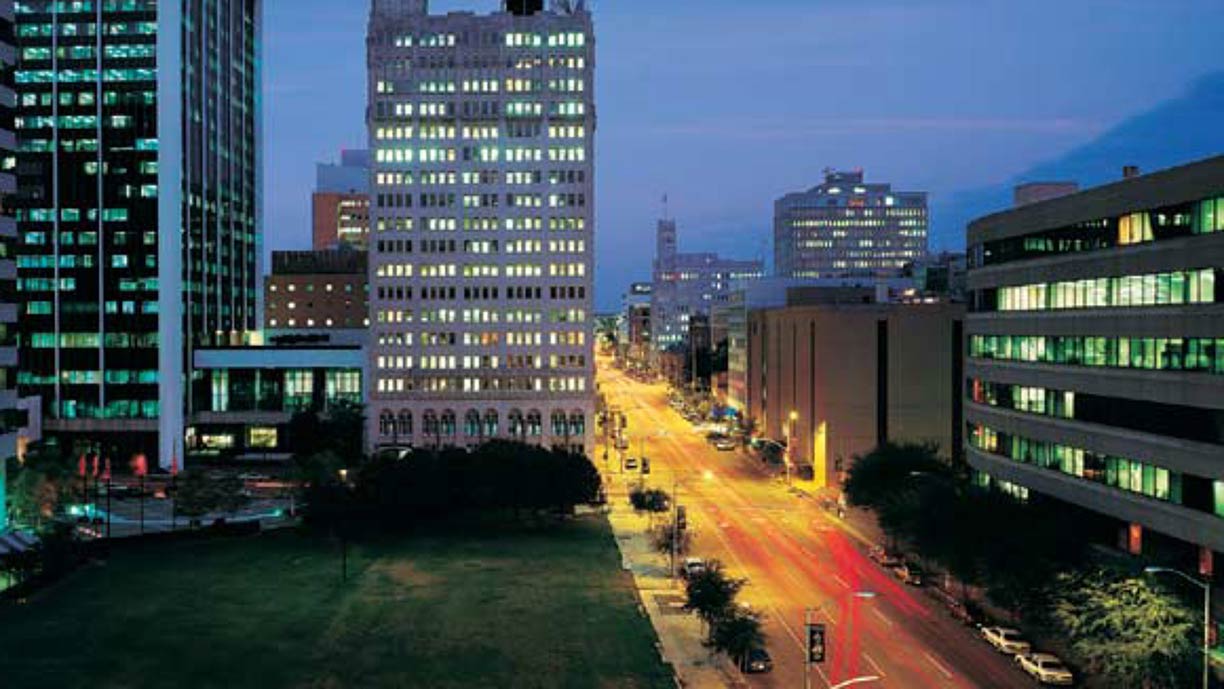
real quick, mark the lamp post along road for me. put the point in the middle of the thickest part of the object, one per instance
(1206, 586)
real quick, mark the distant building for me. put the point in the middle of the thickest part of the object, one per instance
(1095, 366)
(317, 291)
(846, 227)
(11, 418)
(940, 276)
(839, 379)
(688, 285)
(1036, 192)
(340, 205)
(635, 320)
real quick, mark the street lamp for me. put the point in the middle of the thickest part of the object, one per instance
(790, 429)
(1206, 586)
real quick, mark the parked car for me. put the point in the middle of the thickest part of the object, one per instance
(1046, 668)
(692, 567)
(908, 573)
(1006, 640)
(631, 464)
(725, 444)
(883, 557)
(756, 661)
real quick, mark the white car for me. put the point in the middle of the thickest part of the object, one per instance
(1006, 640)
(692, 567)
(1046, 668)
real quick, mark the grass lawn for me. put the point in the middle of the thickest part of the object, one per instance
(489, 606)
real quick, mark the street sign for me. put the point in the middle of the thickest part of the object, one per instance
(816, 642)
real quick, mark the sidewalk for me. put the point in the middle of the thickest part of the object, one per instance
(680, 633)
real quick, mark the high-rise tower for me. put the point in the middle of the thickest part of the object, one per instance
(482, 211)
(139, 175)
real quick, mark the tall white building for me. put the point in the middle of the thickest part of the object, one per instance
(482, 212)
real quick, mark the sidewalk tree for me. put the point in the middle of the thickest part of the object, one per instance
(737, 634)
(664, 538)
(880, 474)
(711, 593)
(650, 500)
(1128, 631)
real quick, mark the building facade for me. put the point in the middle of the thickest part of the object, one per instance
(317, 291)
(138, 129)
(10, 415)
(1096, 353)
(833, 381)
(687, 285)
(847, 227)
(483, 215)
(340, 204)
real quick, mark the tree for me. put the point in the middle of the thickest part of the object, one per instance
(652, 501)
(880, 474)
(231, 495)
(1127, 630)
(665, 537)
(195, 495)
(711, 593)
(736, 634)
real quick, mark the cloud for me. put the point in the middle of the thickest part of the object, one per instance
(782, 130)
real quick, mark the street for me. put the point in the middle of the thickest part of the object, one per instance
(796, 556)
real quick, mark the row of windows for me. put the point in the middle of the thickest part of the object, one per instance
(476, 224)
(1200, 354)
(484, 154)
(511, 293)
(480, 316)
(480, 339)
(1194, 492)
(1153, 289)
(502, 384)
(451, 270)
(485, 361)
(478, 425)
(1170, 222)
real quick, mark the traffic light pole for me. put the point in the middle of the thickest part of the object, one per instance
(807, 652)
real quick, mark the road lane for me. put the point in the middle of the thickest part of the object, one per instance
(796, 556)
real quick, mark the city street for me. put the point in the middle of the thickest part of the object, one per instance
(796, 556)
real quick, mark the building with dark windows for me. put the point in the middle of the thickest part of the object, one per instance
(248, 396)
(846, 227)
(482, 131)
(340, 204)
(317, 291)
(10, 416)
(1095, 369)
(138, 172)
(833, 374)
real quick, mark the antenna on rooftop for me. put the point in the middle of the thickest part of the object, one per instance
(665, 214)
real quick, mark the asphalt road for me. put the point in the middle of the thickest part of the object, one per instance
(797, 557)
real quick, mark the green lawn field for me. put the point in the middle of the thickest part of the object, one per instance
(487, 606)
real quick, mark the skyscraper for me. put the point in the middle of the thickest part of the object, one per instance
(139, 175)
(9, 416)
(482, 137)
(848, 228)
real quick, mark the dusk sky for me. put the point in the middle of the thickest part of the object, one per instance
(727, 105)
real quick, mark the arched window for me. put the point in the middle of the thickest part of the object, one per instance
(431, 423)
(386, 424)
(405, 422)
(471, 424)
(558, 424)
(535, 424)
(517, 428)
(490, 423)
(577, 424)
(448, 423)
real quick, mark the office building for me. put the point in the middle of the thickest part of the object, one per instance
(633, 331)
(139, 210)
(687, 285)
(1095, 370)
(250, 393)
(311, 291)
(482, 136)
(340, 204)
(831, 378)
(10, 415)
(847, 227)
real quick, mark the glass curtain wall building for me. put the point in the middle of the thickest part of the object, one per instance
(139, 182)
(10, 421)
(1095, 368)
(482, 135)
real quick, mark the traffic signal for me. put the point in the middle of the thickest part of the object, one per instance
(681, 518)
(816, 642)
(645, 466)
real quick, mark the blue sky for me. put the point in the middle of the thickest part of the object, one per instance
(727, 105)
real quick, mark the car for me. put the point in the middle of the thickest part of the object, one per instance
(631, 464)
(883, 557)
(909, 573)
(1046, 668)
(725, 444)
(692, 567)
(756, 661)
(1006, 640)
